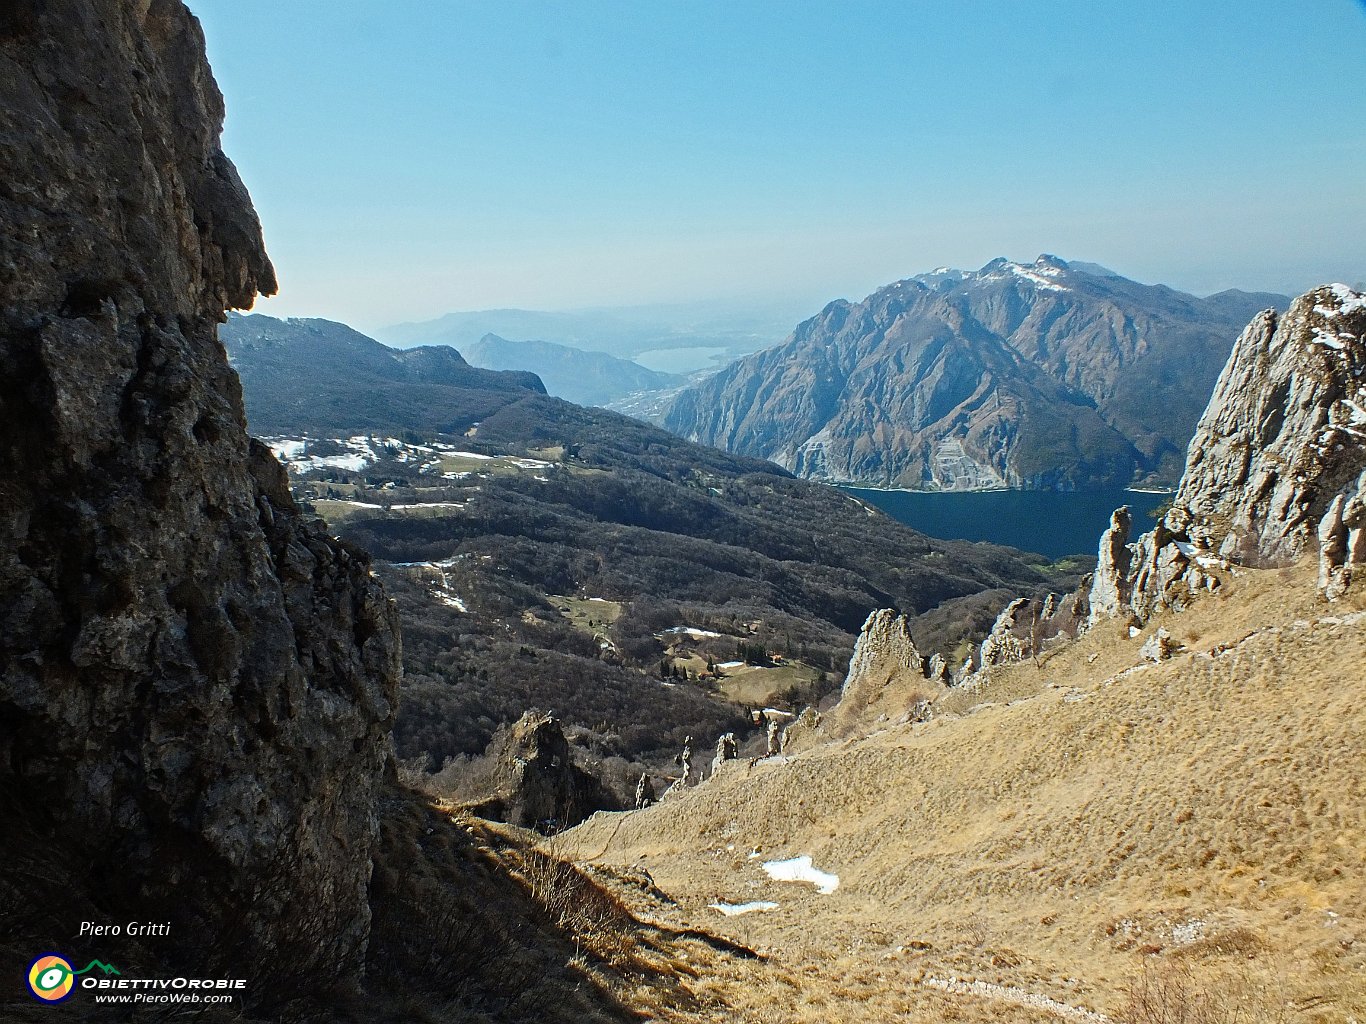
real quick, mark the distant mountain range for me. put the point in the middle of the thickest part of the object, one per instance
(586, 378)
(1043, 375)
(711, 335)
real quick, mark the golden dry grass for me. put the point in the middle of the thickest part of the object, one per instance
(586, 614)
(1053, 831)
(758, 685)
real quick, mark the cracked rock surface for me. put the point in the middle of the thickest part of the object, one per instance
(196, 679)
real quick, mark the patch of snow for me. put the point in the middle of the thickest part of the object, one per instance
(732, 909)
(356, 504)
(691, 631)
(1348, 299)
(286, 448)
(350, 463)
(1037, 279)
(1329, 340)
(450, 600)
(428, 504)
(1040, 276)
(603, 600)
(1134, 631)
(471, 455)
(800, 869)
(530, 463)
(730, 664)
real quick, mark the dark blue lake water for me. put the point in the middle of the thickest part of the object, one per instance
(1054, 523)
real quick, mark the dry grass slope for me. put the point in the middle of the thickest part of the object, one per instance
(1058, 838)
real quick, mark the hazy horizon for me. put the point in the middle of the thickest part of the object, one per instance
(409, 161)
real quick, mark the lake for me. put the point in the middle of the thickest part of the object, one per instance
(680, 360)
(1053, 523)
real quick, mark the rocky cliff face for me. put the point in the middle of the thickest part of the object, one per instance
(1276, 469)
(888, 676)
(196, 683)
(1042, 375)
(1284, 436)
(536, 781)
(1029, 626)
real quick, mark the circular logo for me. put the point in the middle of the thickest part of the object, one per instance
(50, 978)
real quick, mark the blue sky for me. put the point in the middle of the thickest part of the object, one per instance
(411, 158)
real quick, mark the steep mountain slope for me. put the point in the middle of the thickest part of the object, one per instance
(1276, 469)
(586, 378)
(1158, 819)
(338, 379)
(1042, 375)
(1056, 840)
(197, 683)
(549, 555)
(1253, 488)
(1276, 472)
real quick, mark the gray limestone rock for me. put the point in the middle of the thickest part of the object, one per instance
(1276, 471)
(1284, 433)
(726, 749)
(1342, 539)
(884, 650)
(938, 669)
(1029, 626)
(537, 784)
(1111, 583)
(645, 792)
(1011, 636)
(1158, 647)
(1278, 463)
(195, 677)
(887, 675)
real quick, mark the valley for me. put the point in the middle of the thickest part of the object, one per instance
(640, 595)
(1052, 840)
(343, 683)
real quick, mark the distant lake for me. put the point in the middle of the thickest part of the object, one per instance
(1053, 523)
(679, 360)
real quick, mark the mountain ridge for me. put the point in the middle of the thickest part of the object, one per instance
(341, 379)
(578, 376)
(1014, 375)
(622, 331)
